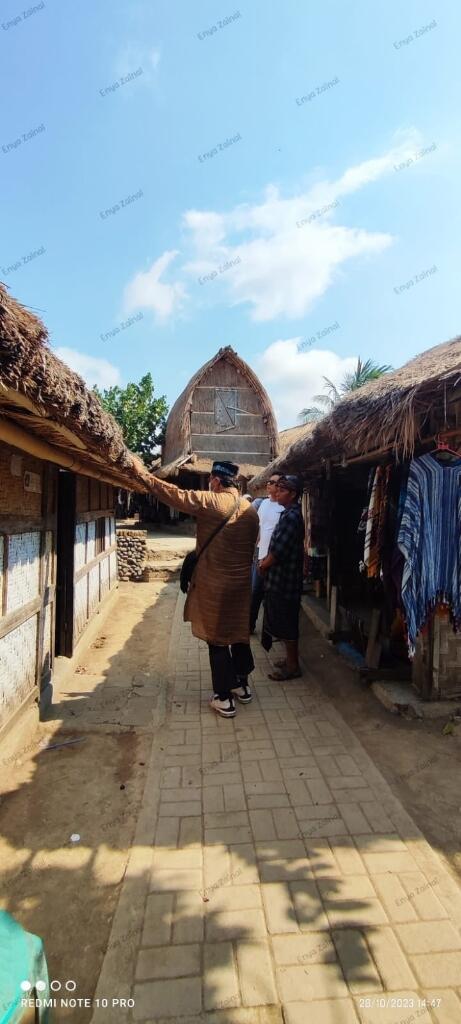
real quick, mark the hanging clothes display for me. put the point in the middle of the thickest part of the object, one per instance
(373, 521)
(429, 539)
(370, 521)
(315, 514)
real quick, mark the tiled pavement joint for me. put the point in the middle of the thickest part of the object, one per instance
(274, 875)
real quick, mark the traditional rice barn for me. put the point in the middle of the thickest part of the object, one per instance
(224, 412)
(287, 440)
(404, 414)
(62, 458)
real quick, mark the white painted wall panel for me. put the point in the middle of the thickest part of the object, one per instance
(112, 530)
(23, 569)
(107, 529)
(113, 567)
(80, 605)
(2, 548)
(80, 543)
(17, 666)
(104, 576)
(93, 588)
(91, 541)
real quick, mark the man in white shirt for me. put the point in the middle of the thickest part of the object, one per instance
(269, 512)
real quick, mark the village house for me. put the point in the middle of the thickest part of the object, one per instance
(223, 413)
(382, 427)
(62, 459)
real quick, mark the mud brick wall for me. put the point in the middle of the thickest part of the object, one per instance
(446, 658)
(437, 662)
(14, 498)
(131, 553)
(25, 483)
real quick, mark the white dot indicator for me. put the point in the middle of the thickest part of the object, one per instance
(75, 838)
(40, 986)
(26, 985)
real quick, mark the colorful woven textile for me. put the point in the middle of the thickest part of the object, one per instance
(429, 539)
(375, 521)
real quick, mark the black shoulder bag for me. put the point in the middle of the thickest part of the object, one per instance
(190, 562)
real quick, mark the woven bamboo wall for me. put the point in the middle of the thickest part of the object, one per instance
(95, 567)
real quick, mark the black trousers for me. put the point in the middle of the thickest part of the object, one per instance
(257, 596)
(227, 664)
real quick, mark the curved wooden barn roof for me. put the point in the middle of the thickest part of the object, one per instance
(178, 450)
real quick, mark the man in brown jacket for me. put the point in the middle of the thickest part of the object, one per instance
(218, 600)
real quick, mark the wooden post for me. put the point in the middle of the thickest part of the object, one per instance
(334, 609)
(373, 653)
(434, 692)
(328, 582)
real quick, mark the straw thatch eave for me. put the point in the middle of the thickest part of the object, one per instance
(178, 434)
(291, 434)
(391, 412)
(45, 398)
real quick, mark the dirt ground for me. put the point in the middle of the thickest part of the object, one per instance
(67, 891)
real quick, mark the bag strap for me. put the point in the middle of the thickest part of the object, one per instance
(218, 528)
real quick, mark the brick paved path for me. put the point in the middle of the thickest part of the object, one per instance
(286, 882)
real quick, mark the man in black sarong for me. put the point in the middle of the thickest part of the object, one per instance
(283, 574)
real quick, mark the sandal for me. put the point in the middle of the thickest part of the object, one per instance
(279, 677)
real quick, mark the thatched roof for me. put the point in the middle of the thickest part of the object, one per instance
(42, 396)
(279, 465)
(392, 412)
(291, 434)
(178, 451)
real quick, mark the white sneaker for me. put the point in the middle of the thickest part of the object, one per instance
(243, 693)
(225, 708)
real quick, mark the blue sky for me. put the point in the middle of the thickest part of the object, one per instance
(341, 116)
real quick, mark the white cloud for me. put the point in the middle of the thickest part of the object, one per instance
(292, 378)
(285, 253)
(93, 370)
(284, 268)
(146, 291)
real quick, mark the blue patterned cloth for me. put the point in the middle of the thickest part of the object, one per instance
(430, 541)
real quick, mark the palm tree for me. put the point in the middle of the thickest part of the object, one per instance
(354, 379)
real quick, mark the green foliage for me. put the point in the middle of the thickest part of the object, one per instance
(363, 373)
(354, 379)
(141, 416)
